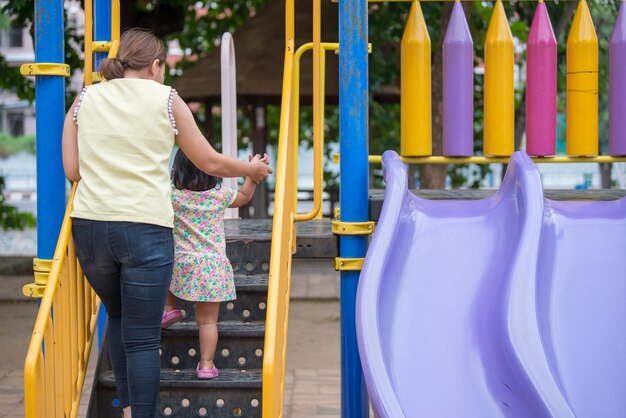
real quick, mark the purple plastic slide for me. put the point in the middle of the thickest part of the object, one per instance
(509, 306)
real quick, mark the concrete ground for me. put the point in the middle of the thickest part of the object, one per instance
(312, 387)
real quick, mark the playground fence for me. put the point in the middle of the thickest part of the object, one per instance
(58, 354)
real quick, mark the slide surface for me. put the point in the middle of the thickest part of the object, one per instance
(511, 306)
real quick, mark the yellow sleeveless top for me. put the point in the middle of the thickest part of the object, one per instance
(126, 133)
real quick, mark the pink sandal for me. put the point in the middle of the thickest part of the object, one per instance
(171, 317)
(207, 374)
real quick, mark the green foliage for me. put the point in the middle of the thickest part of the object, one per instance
(5, 22)
(10, 217)
(22, 13)
(10, 145)
(202, 33)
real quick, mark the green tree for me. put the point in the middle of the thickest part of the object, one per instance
(10, 216)
(180, 19)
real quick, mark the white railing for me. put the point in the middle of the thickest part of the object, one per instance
(229, 109)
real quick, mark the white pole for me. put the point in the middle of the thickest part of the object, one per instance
(229, 109)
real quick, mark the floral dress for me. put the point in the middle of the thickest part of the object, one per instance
(202, 272)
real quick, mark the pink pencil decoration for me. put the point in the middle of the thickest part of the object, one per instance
(541, 85)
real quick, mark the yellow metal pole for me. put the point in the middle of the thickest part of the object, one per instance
(283, 242)
(88, 42)
(318, 119)
(40, 402)
(582, 85)
(57, 327)
(316, 212)
(64, 291)
(80, 313)
(295, 117)
(320, 185)
(74, 318)
(415, 106)
(499, 89)
(50, 366)
(115, 20)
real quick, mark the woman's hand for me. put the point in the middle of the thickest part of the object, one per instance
(265, 159)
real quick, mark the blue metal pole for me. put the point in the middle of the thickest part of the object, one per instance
(101, 27)
(353, 116)
(50, 102)
(102, 32)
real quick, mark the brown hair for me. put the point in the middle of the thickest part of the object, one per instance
(138, 49)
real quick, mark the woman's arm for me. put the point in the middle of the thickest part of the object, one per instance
(69, 142)
(204, 156)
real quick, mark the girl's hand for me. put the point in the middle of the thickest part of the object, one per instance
(259, 170)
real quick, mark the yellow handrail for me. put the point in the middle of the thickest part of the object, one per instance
(285, 201)
(283, 237)
(58, 354)
(318, 130)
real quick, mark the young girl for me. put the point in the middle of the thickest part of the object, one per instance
(202, 272)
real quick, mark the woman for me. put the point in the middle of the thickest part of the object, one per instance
(117, 141)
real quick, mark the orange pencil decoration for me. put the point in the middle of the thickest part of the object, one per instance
(582, 84)
(499, 88)
(415, 104)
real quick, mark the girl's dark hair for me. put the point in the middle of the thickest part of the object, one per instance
(138, 49)
(186, 176)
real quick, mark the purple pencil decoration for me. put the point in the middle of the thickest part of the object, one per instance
(541, 85)
(458, 85)
(617, 85)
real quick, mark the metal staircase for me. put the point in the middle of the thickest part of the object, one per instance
(239, 356)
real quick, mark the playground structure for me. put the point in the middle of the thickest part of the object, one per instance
(53, 388)
(484, 313)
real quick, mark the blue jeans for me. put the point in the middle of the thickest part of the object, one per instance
(129, 265)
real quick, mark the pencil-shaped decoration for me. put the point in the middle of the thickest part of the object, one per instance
(541, 85)
(617, 85)
(415, 113)
(582, 85)
(499, 88)
(458, 86)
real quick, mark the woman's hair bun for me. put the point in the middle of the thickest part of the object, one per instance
(139, 48)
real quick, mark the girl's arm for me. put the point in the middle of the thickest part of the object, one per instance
(245, 193)
(69, 142)
(204, 156)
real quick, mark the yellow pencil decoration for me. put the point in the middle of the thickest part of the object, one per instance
(499, 88)
(415, 113)
(582, 84)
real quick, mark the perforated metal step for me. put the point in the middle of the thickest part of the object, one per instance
(240, 346)
(248, 242)
(233, 394)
